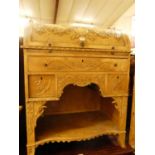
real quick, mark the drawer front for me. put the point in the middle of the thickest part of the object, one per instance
(72, 64)
(117, 84)
(48, 86)
(42, 86)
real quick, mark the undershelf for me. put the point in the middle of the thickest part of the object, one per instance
(73, 127)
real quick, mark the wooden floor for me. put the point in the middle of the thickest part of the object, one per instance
(98, 146)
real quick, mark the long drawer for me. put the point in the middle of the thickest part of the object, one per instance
(72, 64)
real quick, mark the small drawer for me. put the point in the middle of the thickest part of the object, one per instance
(42, 86)
(117, 84)
(75, 64)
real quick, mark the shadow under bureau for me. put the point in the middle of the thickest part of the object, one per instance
(76, 84)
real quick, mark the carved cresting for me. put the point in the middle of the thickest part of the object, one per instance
(80, 80)
(54, 36)
(74, 32)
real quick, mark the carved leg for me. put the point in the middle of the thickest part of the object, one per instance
(30, 126)
(30, 150)
(121, 140)
(33, 111)
(122, 125)
(121, 106)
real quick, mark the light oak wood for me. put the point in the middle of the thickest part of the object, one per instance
(75, 99)
(78, 86)
(75, 127)
(62, 36)
(42, 86)
(70, 64)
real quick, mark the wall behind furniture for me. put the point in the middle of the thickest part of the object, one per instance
(126, 21)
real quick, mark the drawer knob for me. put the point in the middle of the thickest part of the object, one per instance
(113, 47)
(82, 41)
(115, 65)
(46, 65)
(117, 77)
(41, 78)
(49, 44)
(82, 60)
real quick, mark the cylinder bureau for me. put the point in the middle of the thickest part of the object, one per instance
(76, 84)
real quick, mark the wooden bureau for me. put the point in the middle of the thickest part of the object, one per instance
(76, 84)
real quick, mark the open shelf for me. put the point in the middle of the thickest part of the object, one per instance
(80, 114)
(74, 127)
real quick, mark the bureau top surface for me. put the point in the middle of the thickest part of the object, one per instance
(59, 36)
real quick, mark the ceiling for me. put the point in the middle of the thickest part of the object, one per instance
(102, 13)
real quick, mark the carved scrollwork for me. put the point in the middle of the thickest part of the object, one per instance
(117, 103)
(34, 111)
(42, 85)
(39, 108)
(80, 80)
(76, 32)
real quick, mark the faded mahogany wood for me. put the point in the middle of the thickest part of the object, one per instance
(78, 78)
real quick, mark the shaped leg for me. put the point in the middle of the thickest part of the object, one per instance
(30, 150)
(121, 140)
(121, 106)
(30, 127)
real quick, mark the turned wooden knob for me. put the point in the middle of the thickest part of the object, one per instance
(115, 65)
(113, 47)
(82, 41)
(49, 44)
(45, 64)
